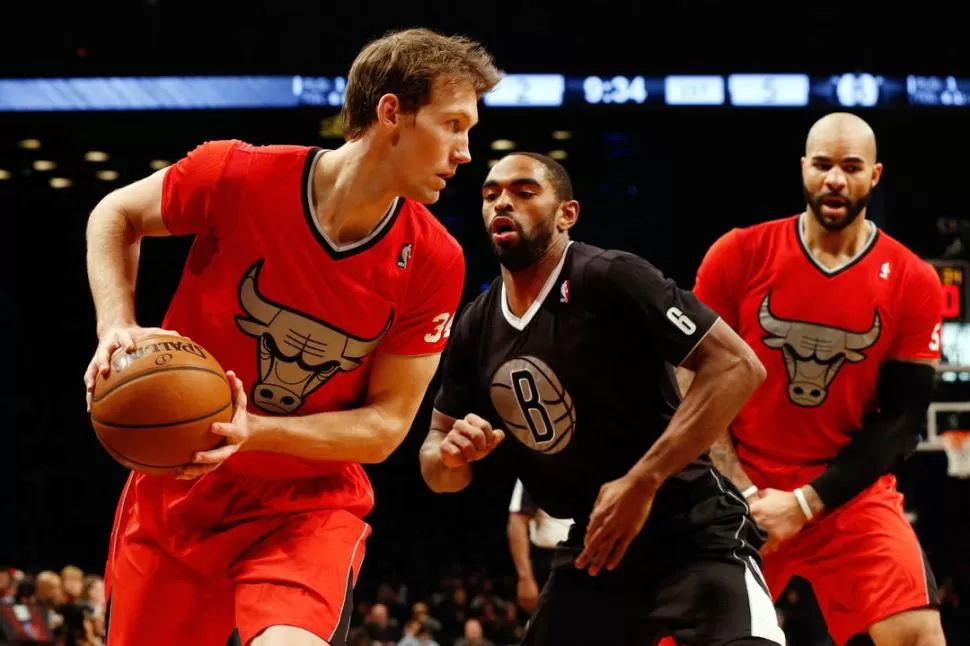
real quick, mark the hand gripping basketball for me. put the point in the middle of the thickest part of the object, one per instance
(469, 439)
(119, 337)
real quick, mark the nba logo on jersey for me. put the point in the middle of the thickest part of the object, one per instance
(564, 292)
(402, 260)
(884, 271)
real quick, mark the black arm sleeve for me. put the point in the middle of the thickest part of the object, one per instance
(456, 394)
(656, 305)
(886, 438)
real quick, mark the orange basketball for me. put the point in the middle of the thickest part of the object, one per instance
(153, 411)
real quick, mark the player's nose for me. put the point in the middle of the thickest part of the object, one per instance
(835, 178)
(502, 203)
(462, 156)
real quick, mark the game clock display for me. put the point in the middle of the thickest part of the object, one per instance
(953, 276)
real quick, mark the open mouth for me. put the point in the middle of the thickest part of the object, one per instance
(834, 202)
(503, 229)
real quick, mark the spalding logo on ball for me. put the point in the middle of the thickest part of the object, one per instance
(533, 404)
(153, 411)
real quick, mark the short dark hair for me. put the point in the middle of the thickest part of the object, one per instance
(557, 174)
(407, 63)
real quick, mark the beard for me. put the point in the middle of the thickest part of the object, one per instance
(524, 252)
(852, 209)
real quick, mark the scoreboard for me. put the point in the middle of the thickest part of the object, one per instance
(953, 274)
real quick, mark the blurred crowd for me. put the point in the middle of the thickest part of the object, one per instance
(65, 608)
(473, 610)
(463, 608)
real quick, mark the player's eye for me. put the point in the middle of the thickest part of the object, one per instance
(526, 194)
(489, 197)
(455, 125)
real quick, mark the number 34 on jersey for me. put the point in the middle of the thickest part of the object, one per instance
(441, 327)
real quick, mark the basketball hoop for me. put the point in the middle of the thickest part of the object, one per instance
(957, 447)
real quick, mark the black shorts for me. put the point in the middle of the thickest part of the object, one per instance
(693, 575)
(542, 563)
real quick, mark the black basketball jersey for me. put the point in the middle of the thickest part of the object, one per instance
(583, 383)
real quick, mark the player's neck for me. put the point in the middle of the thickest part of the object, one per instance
(523, 287)
(834, 248)
(351, 192)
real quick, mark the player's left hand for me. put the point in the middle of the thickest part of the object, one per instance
(620, 511)
(779, 514)
(236, 433)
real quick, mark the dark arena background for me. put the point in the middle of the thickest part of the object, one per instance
(677, 121)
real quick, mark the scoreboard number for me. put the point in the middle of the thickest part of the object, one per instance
(953, 275)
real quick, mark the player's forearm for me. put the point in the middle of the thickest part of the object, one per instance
(720, 388)
(440, 478)
(886, 438)
(518, 531)
(112, 261)
(723, 454)
(363, 435)
(726, 461)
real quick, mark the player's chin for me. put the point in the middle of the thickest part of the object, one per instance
(426, 195)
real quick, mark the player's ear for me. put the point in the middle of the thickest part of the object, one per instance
(389, 111)
(876, 174)
(568, 214)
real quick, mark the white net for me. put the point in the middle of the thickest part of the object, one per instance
(957, 447)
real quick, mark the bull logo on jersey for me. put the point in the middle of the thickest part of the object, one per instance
(813, 353)
(297, 353)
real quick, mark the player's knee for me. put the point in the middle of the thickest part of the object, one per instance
(913, 628)
(928, 635)
(287, 636)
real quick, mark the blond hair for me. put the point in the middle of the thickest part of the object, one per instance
(406, 64)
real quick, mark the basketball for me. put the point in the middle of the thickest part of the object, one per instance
(153, 411)
(532, 403)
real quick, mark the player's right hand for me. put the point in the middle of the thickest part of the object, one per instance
(527, 593)
(469, 439)
(119, 337)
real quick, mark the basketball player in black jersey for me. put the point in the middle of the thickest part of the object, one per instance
(571, 352)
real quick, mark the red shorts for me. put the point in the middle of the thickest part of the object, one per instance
(191, 560)
(863, 560)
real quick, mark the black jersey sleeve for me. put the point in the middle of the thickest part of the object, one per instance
(650, 303)
(456, 394)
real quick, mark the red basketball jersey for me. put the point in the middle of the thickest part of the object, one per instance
(822, 335)
(296, 316)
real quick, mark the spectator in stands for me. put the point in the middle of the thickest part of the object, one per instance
(455, 612)
(505, 628)
(380, 627)
(7, 585)
(49, 597)
(421, 613)
(72, 583)
(474, 635)
(417, 633)
(392, 599)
